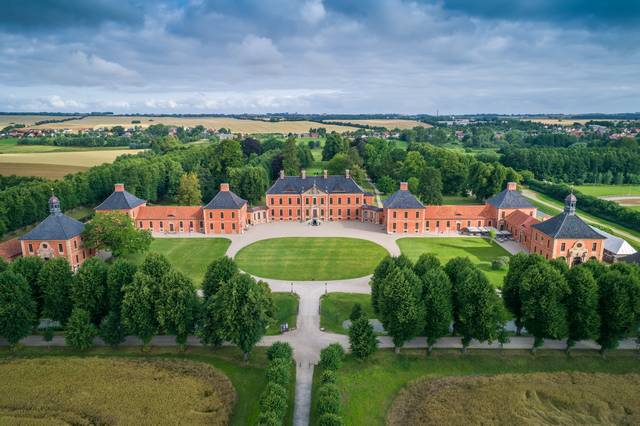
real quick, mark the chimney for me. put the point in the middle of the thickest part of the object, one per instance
(511, 186)
(224, 187)
(119, 187)
(325, 174)
(347, 173)
(303, 172)
(281, 174)
(404, 186)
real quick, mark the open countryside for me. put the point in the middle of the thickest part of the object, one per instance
(389, 124)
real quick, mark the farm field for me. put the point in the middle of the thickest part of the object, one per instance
(54, 165)
(551, 398)
(389, 124)
(609, 190)
(234, 124)
(369, 388)
(191, 256)
(83, 390)
(557, 121)
(310, 259)
(27, 120)
(286, 311)
(10, 146)
(479, 250)
(336, 308)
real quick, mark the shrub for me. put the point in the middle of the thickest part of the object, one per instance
(274, 398)
(279, 371)
(356, 312)
(328, 399)
(362, 339)
(328, 376)
(500, 263)
(331, 357)
(111, 330)
(269, 418)
(329, 419)
(80, 332)
(279, 350)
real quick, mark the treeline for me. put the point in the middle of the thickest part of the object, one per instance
(274, 399)
(150, 176)
(137, 142)
(117, 299)
(604, 209)
(13, 180)
(551, 301)
(577, 164)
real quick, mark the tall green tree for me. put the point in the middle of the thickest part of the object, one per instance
(290, 160)
(247, 310)
(220, 271)
(138, 307)
(438, 301)
(253, 183)
(305, 156)
(178, 307)
(384, 268)
(89, 289)
(338, 164)
(29, 267)
(333, 144)
(518, 264)
(618, 306)
(362, 338)
(543, 291)
(121, 273)
(188, 193)
(426, 262)
(117, 233)
(55, 280)
(17, 308)
(80, 330)
(582, 306)
(430, 186)
(212, 323)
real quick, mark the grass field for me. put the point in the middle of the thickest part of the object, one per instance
(453, 200)
(549, 398)
(27, 120)
(558, 121)
(335, 308)
(191, 256)
(234, 124)
(92, 390)
(10, 146)
(369, 388)
(389, 124)
(479, 250)
(286, 311)
(310, 259)
(608, 190)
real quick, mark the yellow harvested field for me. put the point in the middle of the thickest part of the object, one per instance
(54, 165)
(538, 398)
(389, 124)
(558, 122)
(234, 124)
(27, 120)
(108, 391)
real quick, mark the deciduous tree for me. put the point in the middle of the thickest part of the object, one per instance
(80, 330)
(176, 309)
(220, 271)
(437, 299)
(518, 264)
(138, 307)
(117, 233)
(17, 309)
(29, 267)
(89, 289)
(55, 280)
(619, 299)
(362, 339)
(582, 306)
(188, 193)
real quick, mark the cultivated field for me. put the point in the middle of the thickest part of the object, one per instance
(609, 190)
(234, 124)
(27, 120)
(310, 259)
(389, 124)
(54, 165)
(71, 390)
(558, 121)
(542, 398)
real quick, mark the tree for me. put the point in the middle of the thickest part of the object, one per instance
(290, 160)
(333, 144)
(305, 156)
(117, 233)
(430, 186)
(518, 264)
(17, 309)
(138, 307)
(29, 267)
(89, 289)
(331, 357)
(188, 193)
(362, 339)
(55, 280)
(253, 183)
(338, 164)
(251, 146)
(426, 263)
(356, 312)
(542, 293)
(401, 312)
(112, 331)
(247, 309)
(121, 273)
(582, 306)
(219, 272)
(80, 331)
(437, 299)
(386, 185)
(176, 309)
(280, 350)
(619, 299)
(384, 268)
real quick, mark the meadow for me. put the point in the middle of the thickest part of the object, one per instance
(480, 251)
(310, 259)
(609, 190)
(26, 119)
(558, 121)
(389, 124)
(369, 388)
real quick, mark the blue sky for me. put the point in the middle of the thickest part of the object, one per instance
(335, 56)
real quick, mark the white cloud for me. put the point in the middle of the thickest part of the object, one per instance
(313, 11)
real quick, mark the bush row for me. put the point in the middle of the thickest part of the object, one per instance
(328, 406)
(274, 399)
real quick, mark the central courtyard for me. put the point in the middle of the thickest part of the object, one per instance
(310, 258)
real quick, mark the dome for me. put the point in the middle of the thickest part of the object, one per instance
(571, 198)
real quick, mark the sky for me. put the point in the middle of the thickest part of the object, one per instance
(320, 56)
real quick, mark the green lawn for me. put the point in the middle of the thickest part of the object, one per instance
(286, 311)
(452, 200)
(10, 146)
(608, 190)
(336, 307)
(479, 250)
(191, 256)
(248, 379)
(310, 259)
(368, 388)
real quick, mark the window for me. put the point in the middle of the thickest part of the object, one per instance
(357, 200)
(222, 226)
(298, 212)
(479, 223)
(60, 248)
(280, 200)
(75, 244)
(339, 212)
(330, 200)
(348, 200)
(211, 226)
(417, 226)
(201, 225)
(394, 227)
(77, 259)
(548, 241)
(330, 212)
(406, 226)
(468, 223)
(563, 246)
(417, 215)
(322, 201)
(233, 225)
(272, 212)
(280, 212)
(427, 225)
(594, 246)
(289, 200)
(221, 215)
(140, 224)
(233, 215)
(161, 225)
(181, 225)
(339, 200)
(502, 215)
(306, 201)
(437, 224)
(290, 212)
(406, 215)
(210, 215)
(307, 212)
(83, 255)
(448, 224)
(395, 214)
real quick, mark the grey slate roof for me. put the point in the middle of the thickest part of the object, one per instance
(120, 200)
(632, 258)
(226, 200)
(402, 199)
(56, 226)
(569, 226)
(370, 207)
(332, 184)
(510, 199)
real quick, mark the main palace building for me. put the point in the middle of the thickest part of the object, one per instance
(316, 199)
